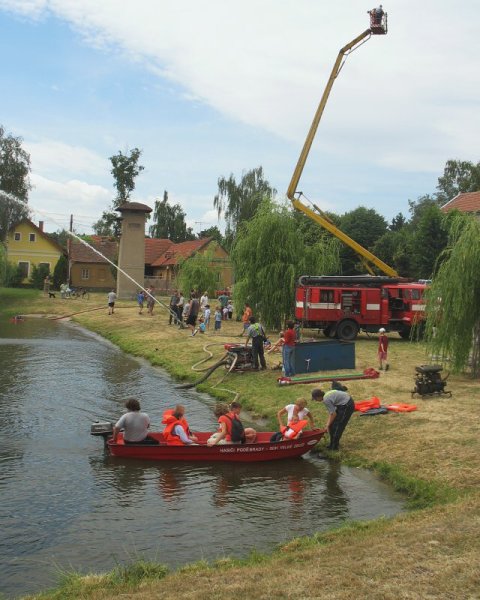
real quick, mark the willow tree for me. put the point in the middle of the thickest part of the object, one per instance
(268, 256)
(453, 300)
(199, 272)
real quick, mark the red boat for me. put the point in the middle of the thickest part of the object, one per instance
(261, 450)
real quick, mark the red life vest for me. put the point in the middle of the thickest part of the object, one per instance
(365, 405)
(293, 429)
(169, 435)
(401, 407)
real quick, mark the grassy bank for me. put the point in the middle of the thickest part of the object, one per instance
(431, 455)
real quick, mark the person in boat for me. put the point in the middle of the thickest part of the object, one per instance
(294, 428)
(231, 429)
(295, 412)
(135, 425)
(177, 431)
(340, 408)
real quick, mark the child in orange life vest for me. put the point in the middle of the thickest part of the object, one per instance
(177, 431)
(294, 428)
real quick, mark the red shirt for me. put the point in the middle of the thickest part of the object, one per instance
(289, 337)
(383, 343)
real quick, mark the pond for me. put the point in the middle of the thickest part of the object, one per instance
(66, 505)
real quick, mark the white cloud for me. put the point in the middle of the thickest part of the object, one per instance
(266, 63)
(54, 201)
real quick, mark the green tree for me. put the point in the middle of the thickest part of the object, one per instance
(459, 176)
(14, 181)
(199, 272)
(268, 256)
(365, 226)
(125, 169)
(169, 222)
(429, 239)
(398, 222)
(60, 273)
(61, 237)
(212, 232)
(238, 202)
(453, 308)
(38, 275)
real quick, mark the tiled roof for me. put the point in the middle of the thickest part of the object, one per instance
(154, 248)
(182, 250)
(81, 253)
(466, 202)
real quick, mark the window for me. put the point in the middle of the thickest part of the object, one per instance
(17, 236)
(31, 237)
(326, 296)
(47, 265)
(416, 295)
(85, 273)
(24, 268)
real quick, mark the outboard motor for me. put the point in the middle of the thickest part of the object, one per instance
(102, 429)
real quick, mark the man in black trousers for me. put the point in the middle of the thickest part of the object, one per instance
(340, 408)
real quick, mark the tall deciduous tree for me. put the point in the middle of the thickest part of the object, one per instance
(211, 232)
(268, 256)
(458, 176)
(125, 169)
(169, 222)
(365, 226)
(238, 202)
(14, 181)
(199, 272)
(453, 307)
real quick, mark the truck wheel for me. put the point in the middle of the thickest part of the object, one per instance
(405, 333)
(347, 330)
(329, 331)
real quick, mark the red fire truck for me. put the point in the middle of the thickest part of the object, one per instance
(343, 306)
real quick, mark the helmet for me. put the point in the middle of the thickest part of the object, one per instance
(381, 330)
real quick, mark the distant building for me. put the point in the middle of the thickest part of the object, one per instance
(468, 202)
(162, 257)
(88, 268)
(29, 246)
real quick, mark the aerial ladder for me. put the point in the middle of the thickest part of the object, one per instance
(378, 26)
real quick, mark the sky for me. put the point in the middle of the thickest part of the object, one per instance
(206, 89)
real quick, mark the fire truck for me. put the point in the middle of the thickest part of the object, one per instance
(343, 306)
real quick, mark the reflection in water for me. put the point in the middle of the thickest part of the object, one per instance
(64, 500)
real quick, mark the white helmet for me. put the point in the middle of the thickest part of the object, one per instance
(381, 330)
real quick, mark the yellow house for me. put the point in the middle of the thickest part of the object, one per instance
(29, 246)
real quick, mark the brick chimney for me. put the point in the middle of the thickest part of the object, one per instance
(40, 225)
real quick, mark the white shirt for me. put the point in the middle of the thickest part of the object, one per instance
(302, 414)
(203, 301)
(112, 296)
(135, 425)
(207, 314)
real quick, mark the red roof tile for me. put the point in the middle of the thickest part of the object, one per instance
(81, 253)
(154, 248)
(182, 250)
(466, 202)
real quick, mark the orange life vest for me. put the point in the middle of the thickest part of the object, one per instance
(365, 405)
(169, 436)
(399, 407)
(293, 429)
(183, 421)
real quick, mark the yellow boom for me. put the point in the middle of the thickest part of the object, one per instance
(377, 26)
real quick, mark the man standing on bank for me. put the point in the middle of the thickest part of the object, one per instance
(340, 408)
(257, 333)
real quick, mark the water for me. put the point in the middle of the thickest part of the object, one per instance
(65, 505)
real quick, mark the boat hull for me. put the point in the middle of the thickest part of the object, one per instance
(261, 450)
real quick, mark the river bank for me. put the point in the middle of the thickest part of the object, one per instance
(430, 454)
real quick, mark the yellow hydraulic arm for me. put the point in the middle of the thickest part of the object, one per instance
(367, 257)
